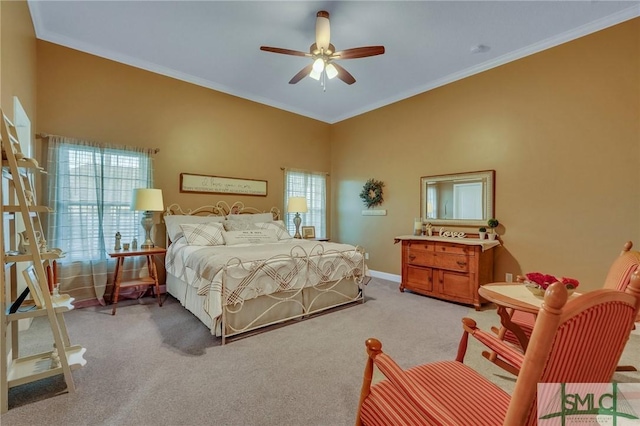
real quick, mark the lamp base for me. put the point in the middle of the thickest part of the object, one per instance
(296, 221)
(147, 224)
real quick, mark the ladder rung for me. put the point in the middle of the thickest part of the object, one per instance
(32, 209)
(25, 164)
(6, 119)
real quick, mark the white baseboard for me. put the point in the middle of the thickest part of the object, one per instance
(386, 276)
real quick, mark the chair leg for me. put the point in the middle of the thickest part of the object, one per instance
(462, 346)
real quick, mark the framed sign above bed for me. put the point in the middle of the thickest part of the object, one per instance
(205, 184)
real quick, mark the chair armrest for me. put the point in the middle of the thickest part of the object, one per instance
(412, 391)
(504, 350)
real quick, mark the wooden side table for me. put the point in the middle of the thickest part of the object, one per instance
(151, 280)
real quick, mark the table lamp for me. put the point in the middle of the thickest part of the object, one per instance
(148, 200)
(297, 205)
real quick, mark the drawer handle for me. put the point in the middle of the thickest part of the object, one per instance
(412, 257)
(461, 263)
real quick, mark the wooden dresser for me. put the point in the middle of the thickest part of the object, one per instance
(447, 268)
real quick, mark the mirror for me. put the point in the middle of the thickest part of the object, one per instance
(465, 199)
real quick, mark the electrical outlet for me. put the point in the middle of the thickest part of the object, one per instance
(509, 277)
(366, 256)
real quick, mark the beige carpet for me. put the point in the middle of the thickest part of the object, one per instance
(151, 365)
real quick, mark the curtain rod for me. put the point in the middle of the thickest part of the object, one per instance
(46, 136)
(304, 171)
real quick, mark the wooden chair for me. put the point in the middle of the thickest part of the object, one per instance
(618, 278)
(572, 342)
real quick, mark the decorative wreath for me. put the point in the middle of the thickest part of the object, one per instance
(372, 193)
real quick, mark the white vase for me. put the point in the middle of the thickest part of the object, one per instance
(481, 235)
(492, 236)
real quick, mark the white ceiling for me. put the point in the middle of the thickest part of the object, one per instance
(216, 44)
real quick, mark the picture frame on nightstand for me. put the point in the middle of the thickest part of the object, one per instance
(308, 232)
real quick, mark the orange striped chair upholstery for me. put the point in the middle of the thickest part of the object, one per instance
(618, 278)
(563, 343)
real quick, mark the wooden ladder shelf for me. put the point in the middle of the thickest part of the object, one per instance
(40, 277)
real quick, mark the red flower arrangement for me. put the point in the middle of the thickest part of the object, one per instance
(544, 280)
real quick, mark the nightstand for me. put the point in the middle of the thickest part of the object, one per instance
(151, 280)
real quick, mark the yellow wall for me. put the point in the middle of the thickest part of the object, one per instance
(562, 130)
(17, 58)
(196, 129)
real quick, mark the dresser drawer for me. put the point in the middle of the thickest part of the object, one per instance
(453, 249)
(453, 262)
(420, 257)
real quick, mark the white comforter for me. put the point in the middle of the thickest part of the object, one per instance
(228, 275)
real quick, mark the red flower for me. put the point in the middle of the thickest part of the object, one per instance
(545, 280)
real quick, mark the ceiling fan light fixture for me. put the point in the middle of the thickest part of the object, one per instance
(318, 65)
(315, 74)
(323, 30)
(331, 71)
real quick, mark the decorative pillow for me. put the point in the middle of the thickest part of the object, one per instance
(238, 225)
(257, 217)
(173, 223)
(203, 234)
(252, 236)
(278, 226)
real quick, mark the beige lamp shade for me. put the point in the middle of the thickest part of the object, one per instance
(147, 199)
(297, 205)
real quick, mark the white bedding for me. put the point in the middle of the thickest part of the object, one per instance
(228, 275)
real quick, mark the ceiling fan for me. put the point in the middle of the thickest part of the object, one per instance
(324, 55)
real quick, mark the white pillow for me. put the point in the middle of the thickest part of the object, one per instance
(278, 226)
(173, 223)
(203, 234)
(252, 236)
(238, 225)
(257, 217)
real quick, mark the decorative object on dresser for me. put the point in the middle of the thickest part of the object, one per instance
(446, 268)
(297, 205)
(493, 224)
(148, 200)
(482, 232)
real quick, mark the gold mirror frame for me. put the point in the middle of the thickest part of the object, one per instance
(428, 211)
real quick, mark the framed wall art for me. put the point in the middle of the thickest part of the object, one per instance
(204, 184)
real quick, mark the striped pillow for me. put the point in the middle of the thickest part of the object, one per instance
(278, 226)
(203, 234)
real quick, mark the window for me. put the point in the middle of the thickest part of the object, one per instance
(312, 186)
(90, 190)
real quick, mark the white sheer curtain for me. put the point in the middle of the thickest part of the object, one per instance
(312, 186)
(90, 186)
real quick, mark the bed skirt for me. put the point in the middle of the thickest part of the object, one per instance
(270, 309)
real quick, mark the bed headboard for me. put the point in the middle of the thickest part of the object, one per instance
(221, 209)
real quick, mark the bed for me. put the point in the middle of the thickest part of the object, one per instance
(238, 270)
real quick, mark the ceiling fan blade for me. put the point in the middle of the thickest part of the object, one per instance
(323, 30)
(359, 52)
(343, 74)
(301, 74)
(284, 51)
